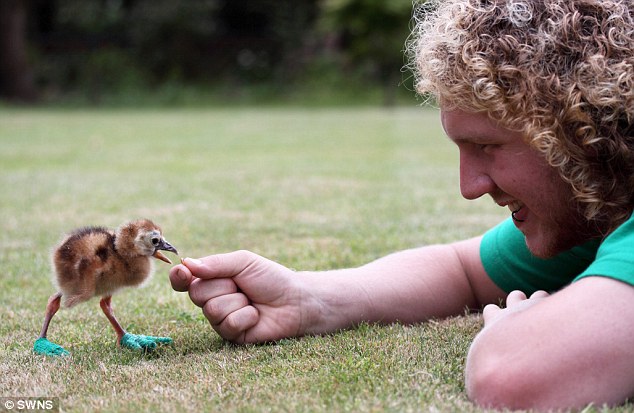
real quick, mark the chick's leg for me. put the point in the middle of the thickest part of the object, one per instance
(125, 339)
(42, 345)
(106, 307)
(51, 309)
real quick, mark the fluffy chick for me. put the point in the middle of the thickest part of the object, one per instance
(95, 261)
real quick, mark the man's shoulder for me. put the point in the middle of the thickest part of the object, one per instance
(615, 255)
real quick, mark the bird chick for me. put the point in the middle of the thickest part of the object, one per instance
(95, 261)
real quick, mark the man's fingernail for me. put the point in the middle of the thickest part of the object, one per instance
(192, 260)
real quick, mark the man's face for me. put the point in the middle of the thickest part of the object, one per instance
(496, 161)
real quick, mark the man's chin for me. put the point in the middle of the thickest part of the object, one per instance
(542, 251)
(549, 245)
(542, 243)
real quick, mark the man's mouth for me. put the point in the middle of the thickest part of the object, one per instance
(515, 207)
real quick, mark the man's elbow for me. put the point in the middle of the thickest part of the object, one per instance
(512, 380)
(491, 383)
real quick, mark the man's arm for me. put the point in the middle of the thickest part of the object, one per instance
(247, 298)
(566, 350)
(408, 286)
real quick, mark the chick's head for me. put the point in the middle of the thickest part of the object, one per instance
(142, 238)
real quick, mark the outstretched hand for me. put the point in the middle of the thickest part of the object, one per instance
(245, 297)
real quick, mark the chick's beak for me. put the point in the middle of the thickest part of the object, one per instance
(165, 246)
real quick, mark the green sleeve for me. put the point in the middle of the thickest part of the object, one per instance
(511, 265)
(615, 257)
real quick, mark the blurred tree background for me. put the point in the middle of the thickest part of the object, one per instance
(176, 51)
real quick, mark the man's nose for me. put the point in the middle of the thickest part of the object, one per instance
(474, 178)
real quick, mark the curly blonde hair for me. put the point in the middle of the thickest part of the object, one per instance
(560, 72)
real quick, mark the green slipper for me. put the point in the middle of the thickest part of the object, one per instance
(141, 342)
(43, 346)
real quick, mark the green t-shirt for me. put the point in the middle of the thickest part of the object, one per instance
(511, 266)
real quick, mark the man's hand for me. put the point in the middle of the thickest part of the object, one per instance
(516, 301)
(245, 297)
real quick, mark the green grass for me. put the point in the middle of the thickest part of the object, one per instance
(312, 189)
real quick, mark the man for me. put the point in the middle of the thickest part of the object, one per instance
(538, 96)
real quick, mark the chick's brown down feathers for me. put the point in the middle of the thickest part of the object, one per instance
(95, 261)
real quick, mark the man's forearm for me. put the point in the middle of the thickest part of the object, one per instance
(408, 286)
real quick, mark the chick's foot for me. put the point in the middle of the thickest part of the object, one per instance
(43, 346)
(141, 342)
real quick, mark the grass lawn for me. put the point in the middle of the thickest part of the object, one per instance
(312, 189)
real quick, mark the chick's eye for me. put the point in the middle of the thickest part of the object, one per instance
(155, 241)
